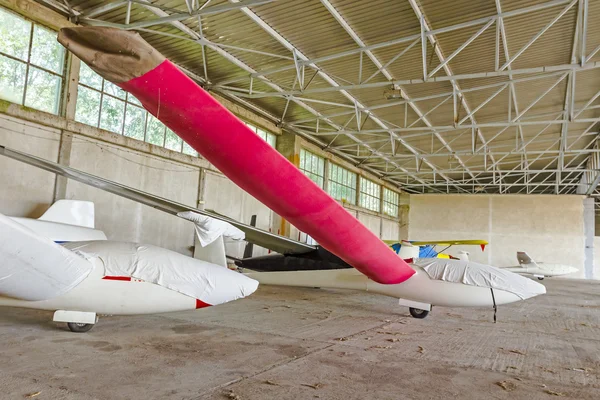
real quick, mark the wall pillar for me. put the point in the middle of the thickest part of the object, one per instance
(288, 145)
(64, 158)
(589, 227)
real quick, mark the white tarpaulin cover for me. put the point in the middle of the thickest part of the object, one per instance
(475, 274)
(196, 278)
(209, 229)
(35, 268)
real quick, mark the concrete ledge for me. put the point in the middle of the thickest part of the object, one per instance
(54, 121)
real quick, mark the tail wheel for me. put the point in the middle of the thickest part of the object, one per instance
(540, 278)
(79, 328)
(418, 313)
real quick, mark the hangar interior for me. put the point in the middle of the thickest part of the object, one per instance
(425, 119)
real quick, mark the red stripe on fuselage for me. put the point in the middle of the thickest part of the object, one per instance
(117, 278)
(201, 304)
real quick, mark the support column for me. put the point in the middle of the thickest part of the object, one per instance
(288, 145)
(589, 227)
(68, 111)
(64, 158)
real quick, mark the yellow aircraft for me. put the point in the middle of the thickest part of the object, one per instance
(426, 249)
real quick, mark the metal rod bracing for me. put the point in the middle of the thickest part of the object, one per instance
(173, 17)
(277, 36)
(185, 29)
(417, 36)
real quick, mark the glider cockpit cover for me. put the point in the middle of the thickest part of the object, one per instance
(124, 58)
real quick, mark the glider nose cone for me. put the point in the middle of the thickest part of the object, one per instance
(226, 285)
(533, 288)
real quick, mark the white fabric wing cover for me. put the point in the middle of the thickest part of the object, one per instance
(35, 268)
(209, 229)
(210, 283)
(475, 274)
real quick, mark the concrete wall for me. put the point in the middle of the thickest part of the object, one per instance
(124, 219)
(29, 191)
(26, 191)
(549, 228)
(596, 271)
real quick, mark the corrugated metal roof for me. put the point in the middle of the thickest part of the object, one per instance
(386, 92)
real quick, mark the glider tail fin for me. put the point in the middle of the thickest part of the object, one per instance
(524, 258)
(71, 212)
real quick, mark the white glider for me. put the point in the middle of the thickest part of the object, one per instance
(539, 270)
(437, 281)
(82, 279)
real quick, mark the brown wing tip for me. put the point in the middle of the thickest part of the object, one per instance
(115, 54)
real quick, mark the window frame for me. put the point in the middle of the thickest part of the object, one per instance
(268, 137)
(365, 195)
(59, 105)
(307, 172)
(395, 206)
(341, 184)
(128, 102)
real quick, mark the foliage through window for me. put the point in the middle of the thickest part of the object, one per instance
(266, 136)
(31, 64)
(370, 194)
(313, 166)
(342, 184)
(103, 104)
(391, 201)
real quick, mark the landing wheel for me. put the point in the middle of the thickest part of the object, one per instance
(79, 328)
(540, 278)
(418, 313)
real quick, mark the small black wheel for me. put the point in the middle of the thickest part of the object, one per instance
(418, 313)
(79, 328)
(540, 278)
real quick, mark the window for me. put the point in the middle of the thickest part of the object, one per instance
(31, 64)
(313, 166)
(342, 184)
(266, 136)
(370, 194)
(103, 104)
(391, 201)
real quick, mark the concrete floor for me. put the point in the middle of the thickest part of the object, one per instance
(288, 343)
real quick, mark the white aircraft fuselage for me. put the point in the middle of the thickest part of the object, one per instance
(540, 269)
(420, 291)
(112, 296)
(419, 288)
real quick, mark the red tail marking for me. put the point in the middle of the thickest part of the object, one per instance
(482, 247)
(117, 278)
(201, 304)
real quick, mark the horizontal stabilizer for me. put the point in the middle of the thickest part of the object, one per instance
(35, 268)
